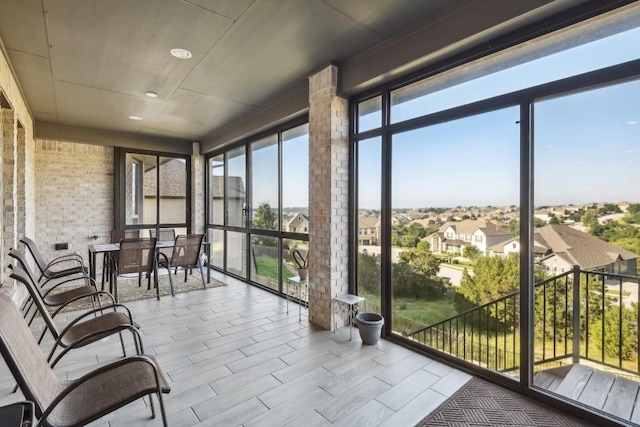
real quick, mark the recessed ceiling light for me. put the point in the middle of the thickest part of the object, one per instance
(181, 53)
(151, 94)
(135, 117)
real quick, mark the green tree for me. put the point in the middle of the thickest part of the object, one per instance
(369, 278)
(627, 348)
(493, 277)
(590, 218)
(415, 275)
(554, 220)
(514, 227)
(537, 223)
(609, 208)
(265, 219)
(472, 252)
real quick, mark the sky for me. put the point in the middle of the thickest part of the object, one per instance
(586, 145)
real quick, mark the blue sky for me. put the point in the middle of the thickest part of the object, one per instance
(587, 145)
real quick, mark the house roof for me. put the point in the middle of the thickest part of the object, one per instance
(236, 187)
(579, 248)
(469, 226)
(298, 218)
(368, 222)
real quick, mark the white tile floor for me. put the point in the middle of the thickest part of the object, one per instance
(234, 357)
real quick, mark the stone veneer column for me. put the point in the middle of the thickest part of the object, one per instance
(197, 189)
(8, 140)
(328, 195)
(21, 182)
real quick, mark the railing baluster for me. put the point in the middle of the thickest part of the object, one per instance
(544, 321)
(576, 315)
(620, 306)
(603, 307)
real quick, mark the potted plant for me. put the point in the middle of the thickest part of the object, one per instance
(302, 261)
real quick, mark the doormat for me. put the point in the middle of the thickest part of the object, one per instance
(481, 403)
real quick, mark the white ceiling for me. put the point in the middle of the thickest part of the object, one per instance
(88, 63)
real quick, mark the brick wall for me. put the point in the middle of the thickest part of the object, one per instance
(74, 195)
(328, 194)
(197, 190)
(8, 139)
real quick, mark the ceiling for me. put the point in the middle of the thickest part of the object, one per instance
(88, 63)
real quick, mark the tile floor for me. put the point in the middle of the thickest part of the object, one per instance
(234, 357)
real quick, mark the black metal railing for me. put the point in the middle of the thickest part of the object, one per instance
(606, 325)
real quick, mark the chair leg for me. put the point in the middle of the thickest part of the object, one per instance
(124, 351)
(204, 285)
(173, 294)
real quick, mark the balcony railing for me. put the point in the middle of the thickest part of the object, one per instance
(604, 329)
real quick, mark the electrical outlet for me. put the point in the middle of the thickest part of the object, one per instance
(61, 246)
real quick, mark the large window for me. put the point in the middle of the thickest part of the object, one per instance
(155, 191)
(508, 212)
(258, 205)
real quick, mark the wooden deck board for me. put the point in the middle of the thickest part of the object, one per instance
(575, 382)
(622, 398)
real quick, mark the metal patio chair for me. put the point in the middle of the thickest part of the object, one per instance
(84, 329)
(186, 254)
(134, 256)
(54, 299)
(58, 268)
(77, 402)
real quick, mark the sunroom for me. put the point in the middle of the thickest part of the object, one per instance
(359, 134)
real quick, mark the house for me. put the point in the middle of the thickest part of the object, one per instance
(298, 224)
(453, 237)
(307, 101)
(559, 247)
(368, 231)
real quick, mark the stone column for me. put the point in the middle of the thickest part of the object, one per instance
(8, 140)
(197, 189)
(328, 194)
(21, 182)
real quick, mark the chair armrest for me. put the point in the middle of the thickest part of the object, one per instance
(164, 261)
(91, 375)
(66, 258)
(98, 310)
(84, 277)
(91, 295)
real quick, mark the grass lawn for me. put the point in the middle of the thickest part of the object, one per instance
(268, 267)
(423, 311)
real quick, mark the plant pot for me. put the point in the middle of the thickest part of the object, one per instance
(303, 273)
(370, 327)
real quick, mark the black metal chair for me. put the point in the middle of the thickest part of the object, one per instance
(186, 254)
(116, 236)
(86, 328)
(61, 267)
(75, 402)
(58, 300)
(135, 256)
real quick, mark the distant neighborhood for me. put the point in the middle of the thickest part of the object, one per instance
(561, 240)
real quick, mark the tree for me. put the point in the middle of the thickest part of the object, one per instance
(514, 227)
(627, 349)
(265, 219)
(537, 222)
(609, 208)
(415, 274)
(590, 218)
(554, 220)
(369, 278)
(472, 252)
(493, 277)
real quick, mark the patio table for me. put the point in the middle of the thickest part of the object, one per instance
(102, 248)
